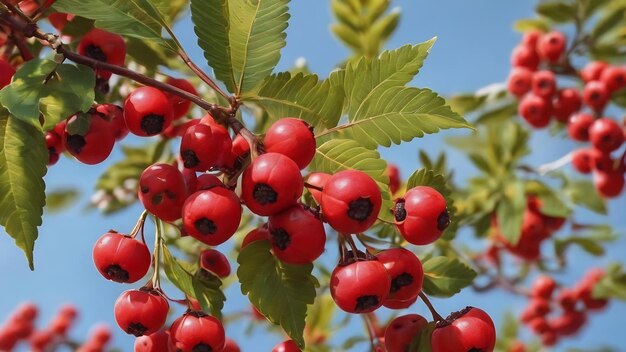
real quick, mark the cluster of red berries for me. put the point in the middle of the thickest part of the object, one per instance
(541, 100)
(536, 228)
(20, 326)
(573, 304)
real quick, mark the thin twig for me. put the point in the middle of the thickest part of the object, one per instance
(433, 312)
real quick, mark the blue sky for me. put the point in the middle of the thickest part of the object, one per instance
(472, 50)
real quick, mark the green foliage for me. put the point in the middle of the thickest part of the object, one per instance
(445, 277)
(23, 159)
(139, 19)
(302, 95)
(589, 238)
(364, 25)
(582, 192)
(613, 284)
(511, 212)
(241, 39)
(279, 291)
(421, 342)
(60, 199)
(195, 283)
(346, 154)
(557, 10)
(67, 89)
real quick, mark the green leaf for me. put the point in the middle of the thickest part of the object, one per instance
(589, 245)
(68, 90)
(613, 284)
(395, 115)
(421, 342)
(465, 103)
(60, 199)
(608, 22)
(149, 54)
(23, 160)
(510, 212)
(445, 277)
(530, 24)
(279, 291)
(551, 203)
(345, 154)
(558, 11)
(498, 114)
(200, 285)
(241, 39)
(424, 177)
(583, 193)
(318, 102)
(131, 18)
(619, 98)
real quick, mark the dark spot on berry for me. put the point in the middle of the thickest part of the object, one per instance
(136, 329)
(310, 127)
(366, 302)
(102, 85)
(595, 96)
(443, 220)
(156, 199)
(360, 209)
(201, 347)
(51, 150)
(205, 226)
(399, 213)
(190, 159)
(544, 83)
(152, 124)
(400, 281)
(96, 53)
(76, 143)
(474, 349)
(116, 273)
(145, 189)
(264, 194)
(606, 139)
(170, 195)
(281, 238)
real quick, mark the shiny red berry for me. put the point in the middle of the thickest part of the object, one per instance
(141, 312)
(582, 161)
(259, 234)
(402, 330)
(537, 307)
(535, 110)
(181, 106)
(286, 346)
(551, 46)
(162, 191)
(614, 78)
(114, 114)
(198, 148)
(6, 73)
(578, 126)
(544, 84)
(539, 325)
(221, 141)
(596, 95)
(609, 184)
(317, 180)
(208, 181)
(525, 56)
(197, 331)
(214, 261)
(519, 81)
(121, 258)
(593, 71)
(360, 287)
(231, 346)
(92, 146)
(297, 236)
(421, 216)
(157, 342)
(212, 216)
(240, 147)
(398, 303)
(103, 46)
(147, 111)
(543, 287)
(584, 290)
(531, 38)
(569, 323)
(271, 184)
(293, 138)
(393, 173)
(606, 135)
(549, 338)
(567, 102)
(405, 271)
(351, 201)
(567, 299)
(468, 330)
(54, 142)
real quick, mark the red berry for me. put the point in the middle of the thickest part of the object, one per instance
(197, 331)
(53, 158)
(405, 271)
(520, 81)
(539, 325)
(421, 216)
(147, 112)
(585, 289)
(121, 258)
(286, 346)
(215, 262)
(100, 335)
(240, 147)
(394, 178)
(297, 235)
(6, 73)
(103, 46)
(601, 161)
(360, 287)
(469, 330)
(543, 287)
(141, 312)
(207, 181)
(517, 346)
(231, 346)
(197, 148)
(212, 216)
(180, 105)
(398, 303)
(157, 342)
(293, 138)
(569, 323)
(271, 184)
(582, 160)
(593, 71)
(54, 143)
(258, 234)
(59, 20)
(567, 102)
(567, 299)
(162, 191)
(222, 141)
(609, 184)
(544, 84)
(114, 114)
(578, 126)
(537, 307)
(596, 95)
(402, 330)
(551, 46)
(95, 145)
(614, 78)
(535, 110)
(531, 38)
(606, 135)
(318, 180)
(525, 56)
(549, 338)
